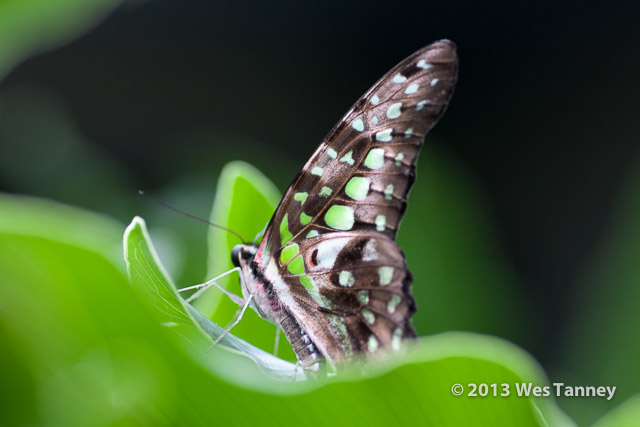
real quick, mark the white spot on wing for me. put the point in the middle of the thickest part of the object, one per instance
(412, 88)
(370, 253)
(399, 78)
(393, 303)
(393, 112)
(368, 316)
(385, 274)
(345, 278)
(363, 297)
(372, 344)
(388, 192)
(384, 135)
(328, 251)
(423, 64)
(348, 158)
(396, 341)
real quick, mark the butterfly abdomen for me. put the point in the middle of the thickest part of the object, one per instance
(306, 351)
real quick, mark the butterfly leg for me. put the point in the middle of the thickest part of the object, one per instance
(276, 344)
(204, 286)
(230, 327)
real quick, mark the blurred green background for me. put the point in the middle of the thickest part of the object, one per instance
(524, 222)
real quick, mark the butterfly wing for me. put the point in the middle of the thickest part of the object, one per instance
(357, 294)
(346, 204)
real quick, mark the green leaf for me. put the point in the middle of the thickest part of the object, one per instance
(84, 347)
(28, 27)
(67, 314)
(32, 216)
(151, 281)
(626, 414)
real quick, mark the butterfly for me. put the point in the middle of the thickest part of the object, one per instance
(328, 271)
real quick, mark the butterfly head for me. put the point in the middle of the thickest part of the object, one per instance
(235, 255)
(242, 254)
(253, 281)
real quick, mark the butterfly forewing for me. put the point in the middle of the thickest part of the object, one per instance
(339, 272)
(360, 175)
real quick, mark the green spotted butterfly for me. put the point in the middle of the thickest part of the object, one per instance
(328, 271)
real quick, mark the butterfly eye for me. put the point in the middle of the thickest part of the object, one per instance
(235, 255)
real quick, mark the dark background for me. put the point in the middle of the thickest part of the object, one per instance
(544, 116)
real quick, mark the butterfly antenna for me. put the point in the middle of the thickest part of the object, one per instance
(148, 196)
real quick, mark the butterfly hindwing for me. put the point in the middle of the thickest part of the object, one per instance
(356, 284)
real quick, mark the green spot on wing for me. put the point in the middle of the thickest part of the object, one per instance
(288, 253)
(284, 229)
(296, 266)
(340, 217)
(357, 188)
(301, 197)
(374, 159)
(339, 324)
(307, 283)
(305, 219)
(325, 192)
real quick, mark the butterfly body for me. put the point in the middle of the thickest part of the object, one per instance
(328, 271)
